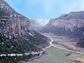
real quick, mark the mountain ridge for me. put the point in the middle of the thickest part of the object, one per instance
(73, 15)
(14, 26)
(71, 25)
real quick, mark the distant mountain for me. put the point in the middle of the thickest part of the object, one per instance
(43, 22)
(73, 15)
(35, 24)
(71, 24)
(38, 23)
(63, 15)
(16, 33)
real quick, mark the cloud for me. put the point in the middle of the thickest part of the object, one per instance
(46, 8)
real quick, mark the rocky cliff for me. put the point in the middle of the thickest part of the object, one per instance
(16, 33)
(71, 24)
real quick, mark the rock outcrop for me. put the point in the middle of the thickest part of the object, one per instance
(16, 33)
(71, 24)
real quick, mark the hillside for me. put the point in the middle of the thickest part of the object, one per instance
(71, 25)
(73, 15)
(67, 25)
(16, 33)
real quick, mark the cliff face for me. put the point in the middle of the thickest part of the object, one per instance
(12, 21)
(16, 26)
(72, 24)
(16, 29)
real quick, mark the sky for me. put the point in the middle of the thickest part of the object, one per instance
(46, 9)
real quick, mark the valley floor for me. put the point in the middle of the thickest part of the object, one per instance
(62, 49)
(75, 53)
(53, 55)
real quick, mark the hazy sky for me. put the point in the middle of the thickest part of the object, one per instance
(46, 9)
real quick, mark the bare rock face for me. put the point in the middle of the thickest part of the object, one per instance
(70, 24)
(16, 29)
(14, 22)
(16, 26)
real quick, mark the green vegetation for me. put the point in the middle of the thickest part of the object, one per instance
(63, 15)
(3, 13)
(15, 59)
(54, 55)
(38, 39)
(15, 45)
(81, 42)
(16, 35)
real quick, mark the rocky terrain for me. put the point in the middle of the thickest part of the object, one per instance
(16, 33)
(71, 24)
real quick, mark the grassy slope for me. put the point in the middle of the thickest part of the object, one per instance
(54, 55)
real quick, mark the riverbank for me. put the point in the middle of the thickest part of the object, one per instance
(53, 55)
(64, 44)
(69, 44)
(51, 45)
(77, 58)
